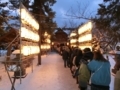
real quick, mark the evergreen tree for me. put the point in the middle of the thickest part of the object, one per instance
(44, 14)
(1, 26)
(108, 21)
(2, 17)
(41, 9)
(10, 15)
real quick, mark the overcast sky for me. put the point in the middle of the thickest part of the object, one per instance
(63, 7)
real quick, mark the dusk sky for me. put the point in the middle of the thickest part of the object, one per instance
(63, 7)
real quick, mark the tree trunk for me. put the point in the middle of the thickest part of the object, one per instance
(39, 44)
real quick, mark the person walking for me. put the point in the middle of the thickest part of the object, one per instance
(100, 69)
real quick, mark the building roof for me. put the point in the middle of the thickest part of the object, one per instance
(60, 36)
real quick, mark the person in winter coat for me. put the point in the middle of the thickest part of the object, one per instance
(84, 76)
(65, 56)
(100, 69)
(72, 59)
(76, 63)
(117, 75)
(68, 51)
(79, 55)
(84, 72)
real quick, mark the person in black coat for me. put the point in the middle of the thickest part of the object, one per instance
(88, 54)
(83, 70)
(73, 54)
(78, 57)
(65, 56)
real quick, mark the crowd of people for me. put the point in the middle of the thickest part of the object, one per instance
(90, 68)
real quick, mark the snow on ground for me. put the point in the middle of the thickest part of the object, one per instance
(50, 75)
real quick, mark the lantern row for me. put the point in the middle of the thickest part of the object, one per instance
(45, 46)
(29, 34)
(84, 36)
(27, 18)
(28, 50)
(86, 27)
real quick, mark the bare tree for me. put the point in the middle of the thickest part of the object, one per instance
(103, 36)
(76, 17)
(82, 12)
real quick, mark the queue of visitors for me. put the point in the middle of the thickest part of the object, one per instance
(90, 68)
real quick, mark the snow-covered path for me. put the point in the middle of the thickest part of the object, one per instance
(50, 75)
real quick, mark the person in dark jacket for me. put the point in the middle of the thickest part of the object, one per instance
(88, 54)
(73, 54)
(78, 57)
(84, 72)
(65, 56)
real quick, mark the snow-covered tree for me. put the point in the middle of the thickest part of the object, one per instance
(10, 15)
(108, 21)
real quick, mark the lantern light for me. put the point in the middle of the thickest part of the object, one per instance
(52, 43)
(73, 40)
(86, 37)
(27, 33)
(28, 50)
(27, 18)
(87, 27)
(73, 34)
